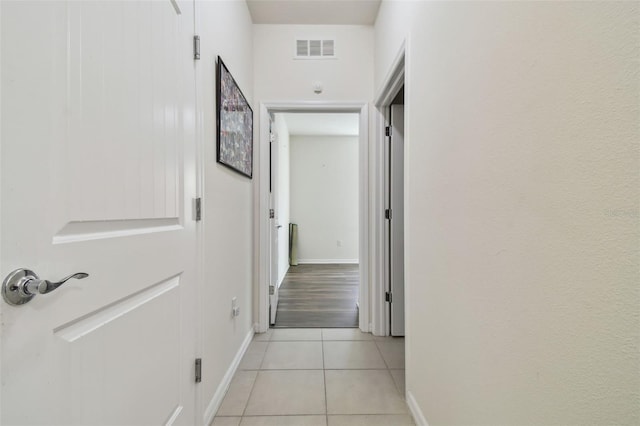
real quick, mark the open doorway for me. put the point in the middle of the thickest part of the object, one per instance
(269, 220)
(314, 188)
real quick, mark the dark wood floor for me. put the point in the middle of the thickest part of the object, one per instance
(319, 296)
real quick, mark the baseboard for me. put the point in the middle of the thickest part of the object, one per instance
(416, 412)
(218, 396)
(328, 261)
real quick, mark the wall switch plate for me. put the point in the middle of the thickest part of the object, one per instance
(339, 243)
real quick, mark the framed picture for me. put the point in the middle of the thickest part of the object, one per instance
(234, 118)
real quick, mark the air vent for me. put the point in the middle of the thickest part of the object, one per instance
(315, 49)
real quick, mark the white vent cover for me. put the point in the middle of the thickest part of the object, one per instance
(315, 49)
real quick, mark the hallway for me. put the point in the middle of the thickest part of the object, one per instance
(318, 377)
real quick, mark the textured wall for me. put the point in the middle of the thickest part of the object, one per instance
(523, 209)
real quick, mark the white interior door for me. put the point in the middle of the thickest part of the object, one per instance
(274, 226)
(98, 174)
(397, 220)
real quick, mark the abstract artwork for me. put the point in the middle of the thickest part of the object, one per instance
(235, 124)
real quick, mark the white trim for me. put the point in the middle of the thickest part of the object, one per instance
(218, 396)
(176, 7)
(174, 416)
(328, 261)
(364, 246)
(416, 412)
(394, 80)
(261, 199)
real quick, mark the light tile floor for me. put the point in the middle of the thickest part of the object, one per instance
(318, 377)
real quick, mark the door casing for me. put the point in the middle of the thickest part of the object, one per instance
(261, 202)
(391, 85)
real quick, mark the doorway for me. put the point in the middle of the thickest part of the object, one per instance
(266, 218)
(389, 288)
(314, 175)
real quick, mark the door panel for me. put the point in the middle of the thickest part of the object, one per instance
(98, 173)
(397, 220)
(274, 226)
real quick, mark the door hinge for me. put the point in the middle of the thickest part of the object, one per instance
(387, 214)
(387, 131)
(272, 213)
(198, 208)
(198, 370)
(196, 47)
(387, 297)
(272, 290)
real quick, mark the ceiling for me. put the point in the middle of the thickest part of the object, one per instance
(314, 12)
(321, 124)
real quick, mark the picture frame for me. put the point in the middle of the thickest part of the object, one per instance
(234, 120)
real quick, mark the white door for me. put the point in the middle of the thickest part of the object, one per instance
(397, 220)
(274, 226)
(98, 174)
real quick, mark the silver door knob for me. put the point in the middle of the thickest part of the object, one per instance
(21, 285)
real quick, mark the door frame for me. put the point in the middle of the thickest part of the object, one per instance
(394, 80)
(273, 228)
(261, 202)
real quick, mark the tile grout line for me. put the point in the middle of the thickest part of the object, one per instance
(382, 356)
(246, 405)
(324, 370)
(324, 376)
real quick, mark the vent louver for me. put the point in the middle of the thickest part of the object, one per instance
(327, 47)
(315, 49)
(302, 48)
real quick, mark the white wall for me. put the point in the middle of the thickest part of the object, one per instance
(279, 77)
(225, 29)
(522, 254)
(324, 197)
(283, 209)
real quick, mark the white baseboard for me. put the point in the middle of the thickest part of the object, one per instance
(416, 412)
(327, 261)
(218, 396)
